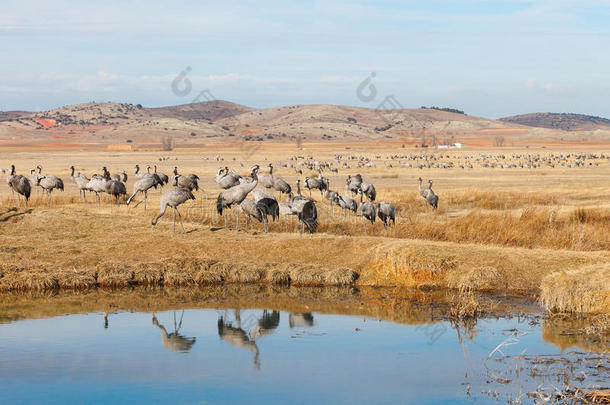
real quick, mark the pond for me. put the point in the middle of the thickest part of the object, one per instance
(264, 354)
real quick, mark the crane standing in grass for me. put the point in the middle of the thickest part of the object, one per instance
(427, 193)
(248, 207)
(19, 184)
(81, 182)
(49, 183)
(235, 195)
(367, 211)
(305, 210)
(142, 186)
(173, 198)
(386, 212)
(190, 182)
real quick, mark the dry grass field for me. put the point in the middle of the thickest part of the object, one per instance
(543, 233)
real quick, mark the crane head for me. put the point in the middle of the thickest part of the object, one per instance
(255, 167)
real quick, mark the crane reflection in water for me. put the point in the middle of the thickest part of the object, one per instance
(174, 341)
(246, 335)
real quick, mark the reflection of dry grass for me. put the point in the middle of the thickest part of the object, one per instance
(582, 290)
(590, 333)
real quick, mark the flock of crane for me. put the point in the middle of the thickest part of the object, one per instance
(236, 190)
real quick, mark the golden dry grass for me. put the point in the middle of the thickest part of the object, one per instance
(495, 230)
(582, 290)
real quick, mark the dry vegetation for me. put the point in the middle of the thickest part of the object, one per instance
(501, 231)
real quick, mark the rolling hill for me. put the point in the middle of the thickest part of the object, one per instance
(222, 121)
(564, 122)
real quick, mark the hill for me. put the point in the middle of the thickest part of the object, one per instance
(564, 122)
(209, 110)
(221, 121)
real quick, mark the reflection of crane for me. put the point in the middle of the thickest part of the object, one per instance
(299, 320)
(174, 341)
(237, 336)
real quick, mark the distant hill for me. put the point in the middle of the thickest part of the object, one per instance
(564, 122)
(223, 121)
(209, 110)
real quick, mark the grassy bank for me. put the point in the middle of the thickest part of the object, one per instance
(76, 247)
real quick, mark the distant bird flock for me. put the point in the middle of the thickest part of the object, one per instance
(252, 196)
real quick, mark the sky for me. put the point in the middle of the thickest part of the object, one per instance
(490, 58)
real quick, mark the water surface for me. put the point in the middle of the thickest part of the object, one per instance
(197, 356)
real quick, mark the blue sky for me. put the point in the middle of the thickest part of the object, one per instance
(489, 57)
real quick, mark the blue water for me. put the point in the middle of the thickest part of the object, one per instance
(320, 359)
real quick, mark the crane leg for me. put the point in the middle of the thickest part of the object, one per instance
(174, 220)
(180, 218)
(225, 218)
(236, 221)
(145, 198)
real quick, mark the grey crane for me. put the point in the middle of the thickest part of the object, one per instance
(191, 181)
(423, 191)
(369, 190)
(116, 189)
(163, 178)
(138, 174)
(275, 182)
(81, 182)
(33, 178)
(219, 175)
(236, 177)
(386, 212)
(346, 203)
(367, 210)
(97, 184)
(173, 198)
(226, 180)
(279, 184)
(142, 186)
(235, 195)
(268, 206)
(353, 183)
(330, 196)
(49, 183)
(113, 187)
(266, 180)
(19, 184)
(248, 207)
(305, 211)
(315, 183)
(429, 195)
(260, 193)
